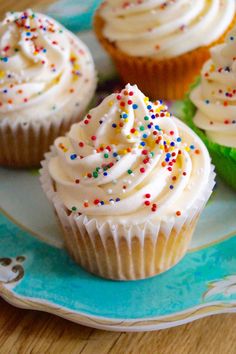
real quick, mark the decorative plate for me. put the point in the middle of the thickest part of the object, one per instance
(36, 272)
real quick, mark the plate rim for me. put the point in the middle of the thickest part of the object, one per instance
(124, 325)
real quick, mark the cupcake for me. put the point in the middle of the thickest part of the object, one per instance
(47, 79)
(211, 108)
(161, 45)
(128, 184)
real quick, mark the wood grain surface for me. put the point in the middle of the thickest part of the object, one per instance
(25, 332)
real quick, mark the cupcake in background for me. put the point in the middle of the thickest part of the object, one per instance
(211, 109)
(47, 79)
(162, 45)
(128, 184)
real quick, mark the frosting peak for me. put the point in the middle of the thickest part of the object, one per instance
(215, 97)
(129, 157)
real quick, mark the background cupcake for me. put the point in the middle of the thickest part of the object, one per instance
(212, 109)
(159, 45)
(47, 79)
(128, 184)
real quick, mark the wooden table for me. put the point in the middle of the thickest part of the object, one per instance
(24, 332)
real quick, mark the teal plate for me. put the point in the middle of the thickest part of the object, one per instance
(36, 272)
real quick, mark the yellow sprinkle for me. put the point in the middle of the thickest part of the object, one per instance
(110, 103)
(212, 67)
(2, 74)
(118, 130)
(65, 149)
(136, 133)
(128, 136)
(161, 147)
(187, 148)
(126, 120)
(76, 67)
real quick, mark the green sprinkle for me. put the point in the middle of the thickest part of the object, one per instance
(129, 172)
(73, 208)
(106, 156)
(146, 118)
(142, 128)
(95, 174)
(152, 153)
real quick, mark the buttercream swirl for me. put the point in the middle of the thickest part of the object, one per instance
(215, 97)
(129, 158)
(43, 67)
(165, 29)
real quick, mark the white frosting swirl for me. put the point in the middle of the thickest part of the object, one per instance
(43, 67)
(130, 158)
(215, 97)
(165, 29)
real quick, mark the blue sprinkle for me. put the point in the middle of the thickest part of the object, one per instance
(179, 140)
(105, 174)
(142, 143)
(114, 125)
(153, 116)
(207, 101)
(157, 127)
(100, 121)
(168, 155)
(145, 136)
(44, 50)
(28, 34)
(192, 147)
(231, 38)
(149, 107)
(115, 154)
(102, 202)
(172, 144)
(5, 91)
(5, 59)
(149, 126)
(117, 199)
(125, 115)
(135, 106)
(167, 160)
(73, 156)
(171, 187)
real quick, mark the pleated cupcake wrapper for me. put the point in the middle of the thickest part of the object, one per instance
(23, 144)
(125, 252)
(223, 157)
(159, 79)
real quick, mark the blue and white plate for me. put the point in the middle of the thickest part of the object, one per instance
(36, 272)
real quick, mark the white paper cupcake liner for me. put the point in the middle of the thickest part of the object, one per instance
(125, 252)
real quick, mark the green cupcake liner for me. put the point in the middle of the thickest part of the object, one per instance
(224, 158)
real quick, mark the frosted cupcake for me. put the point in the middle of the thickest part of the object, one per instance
(47, 79)
(128, 184)
(212, 109)
(161, 45)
